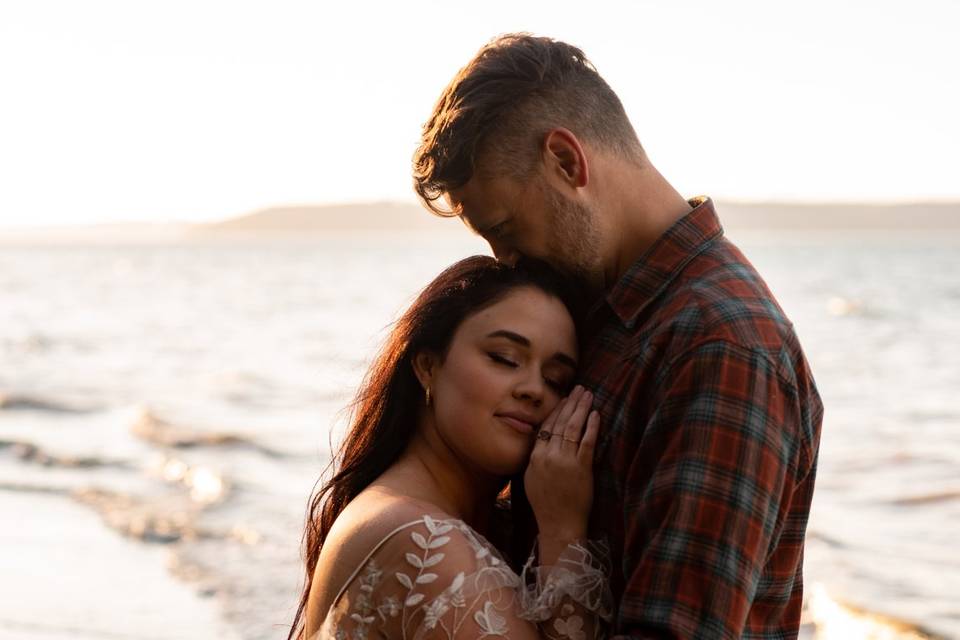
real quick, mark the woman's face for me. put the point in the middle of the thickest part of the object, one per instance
(506, 369)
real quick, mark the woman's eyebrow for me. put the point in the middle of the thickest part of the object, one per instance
(523, 341)
(510, 335)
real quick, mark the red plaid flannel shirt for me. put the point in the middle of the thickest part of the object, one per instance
(707, 453)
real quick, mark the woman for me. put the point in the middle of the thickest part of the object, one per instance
(468, 388)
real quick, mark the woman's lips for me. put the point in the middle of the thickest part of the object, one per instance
(522, 426)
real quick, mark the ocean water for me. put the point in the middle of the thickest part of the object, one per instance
(179, 402)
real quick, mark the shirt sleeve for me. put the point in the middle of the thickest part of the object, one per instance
(707, 493)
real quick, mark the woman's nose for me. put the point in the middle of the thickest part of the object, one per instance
(530, 388)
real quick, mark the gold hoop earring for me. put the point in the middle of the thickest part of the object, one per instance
(428, 396)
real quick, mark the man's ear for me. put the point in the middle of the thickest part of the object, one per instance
(565, 158)
(424, 367)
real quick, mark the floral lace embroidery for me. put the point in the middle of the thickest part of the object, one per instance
(580, 573)
(404, 597)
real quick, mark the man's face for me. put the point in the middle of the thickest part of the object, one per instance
(530, 218)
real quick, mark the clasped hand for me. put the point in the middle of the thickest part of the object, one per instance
(559, 476)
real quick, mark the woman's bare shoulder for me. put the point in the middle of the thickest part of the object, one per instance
(367, 522)
(377, 512)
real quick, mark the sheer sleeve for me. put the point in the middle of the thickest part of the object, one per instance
(570, 599)
(437, 579)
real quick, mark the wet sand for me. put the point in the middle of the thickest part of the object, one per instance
(84, 582)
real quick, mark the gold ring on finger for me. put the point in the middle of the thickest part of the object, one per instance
(573, 440)
(544, 435)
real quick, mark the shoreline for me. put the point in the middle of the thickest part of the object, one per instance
(101, 584)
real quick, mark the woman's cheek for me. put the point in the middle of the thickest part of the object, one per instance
(478, 378)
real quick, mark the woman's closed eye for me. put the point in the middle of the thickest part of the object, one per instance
(502, 359)
(558, 387)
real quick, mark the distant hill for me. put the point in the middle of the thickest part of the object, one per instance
(827, 216)
(311, 221)
(321, 218)
(734, 215)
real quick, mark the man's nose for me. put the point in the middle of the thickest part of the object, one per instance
(506, 255)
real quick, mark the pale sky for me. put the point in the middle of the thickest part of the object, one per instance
(195, 110)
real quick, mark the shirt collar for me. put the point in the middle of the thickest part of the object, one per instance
(664, 260)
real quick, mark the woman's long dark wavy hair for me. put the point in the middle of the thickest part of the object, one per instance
(386, 407)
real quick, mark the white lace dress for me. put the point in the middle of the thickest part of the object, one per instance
(438, 578)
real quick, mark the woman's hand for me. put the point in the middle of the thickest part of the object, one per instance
(559, 477)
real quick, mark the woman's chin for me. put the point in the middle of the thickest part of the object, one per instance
(512, 463)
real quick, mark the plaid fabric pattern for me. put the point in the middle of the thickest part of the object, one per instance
(708, 447)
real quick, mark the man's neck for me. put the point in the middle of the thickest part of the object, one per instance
(643, 208)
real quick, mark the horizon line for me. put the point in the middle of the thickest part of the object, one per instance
(750, 202)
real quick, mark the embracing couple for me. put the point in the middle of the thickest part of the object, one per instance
(608, 430)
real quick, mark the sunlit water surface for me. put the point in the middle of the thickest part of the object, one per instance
(186, 396)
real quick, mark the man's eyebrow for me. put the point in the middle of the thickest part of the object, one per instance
(521, 340)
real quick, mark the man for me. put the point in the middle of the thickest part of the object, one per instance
(710, 416)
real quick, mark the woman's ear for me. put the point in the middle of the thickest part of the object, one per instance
(424, 367)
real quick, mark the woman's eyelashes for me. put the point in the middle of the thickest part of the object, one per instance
(555, 385)
(559, 388)
(502, 359)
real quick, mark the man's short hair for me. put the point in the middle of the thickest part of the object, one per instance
(494, 113)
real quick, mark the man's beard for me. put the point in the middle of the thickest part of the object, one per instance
(573, 245)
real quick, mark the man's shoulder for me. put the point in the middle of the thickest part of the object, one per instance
(720, 296)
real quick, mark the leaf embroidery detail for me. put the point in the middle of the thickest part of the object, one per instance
(356, 617)
(434, 611)
(432, 560)
(415, 560)
(426, 578)
(491, 623)
(389, 607)
(413, 600)
(419, 540)
(435, 528)
(438, 542)
(430, 523)
(404, 579)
